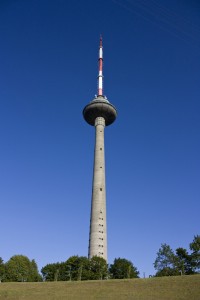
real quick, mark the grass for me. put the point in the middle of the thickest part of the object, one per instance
(163, 288)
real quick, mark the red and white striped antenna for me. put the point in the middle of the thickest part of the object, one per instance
(100, 76)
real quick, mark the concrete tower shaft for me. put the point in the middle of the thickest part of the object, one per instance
(98, 231)
(99, 113)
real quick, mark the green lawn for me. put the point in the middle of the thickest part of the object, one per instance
(163, 288)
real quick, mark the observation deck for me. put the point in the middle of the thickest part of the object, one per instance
(100, 107)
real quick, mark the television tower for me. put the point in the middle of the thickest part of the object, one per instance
(99, 113)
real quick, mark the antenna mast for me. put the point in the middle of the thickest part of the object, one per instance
(100, 76)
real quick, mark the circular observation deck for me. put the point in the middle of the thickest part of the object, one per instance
(100, 107)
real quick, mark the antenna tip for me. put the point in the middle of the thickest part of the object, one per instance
(100, 40)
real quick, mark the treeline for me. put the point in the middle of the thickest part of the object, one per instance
(180, 262)
(167, 263)
(82, 268)
(20, 268)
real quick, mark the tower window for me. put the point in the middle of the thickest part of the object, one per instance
(100, 148)
(101, 189)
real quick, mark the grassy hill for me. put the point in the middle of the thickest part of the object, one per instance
(163, 288)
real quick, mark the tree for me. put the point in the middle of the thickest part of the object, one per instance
(195, 255)
(165, 263)
(20, 268)
(83, 268)
(78, 268)
(167, 272)
(62, 272)
(2, 269)
(50, 272)
(98, 268)
(183, 261)
(75, 268)
(34, 273)
(123, 268)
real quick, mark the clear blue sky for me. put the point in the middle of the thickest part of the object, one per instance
(48, 70)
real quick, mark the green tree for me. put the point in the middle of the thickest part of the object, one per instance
(98, 268)
(166, 262)
(183, 261)
(50, 272)
(84, 268)
(73, 264)
(20, 268)
(34, 273)
(167, 272)
(62, 272)
(123, 268)
(75, 268)
(78, 268)
(195, 255)
(2, 269)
